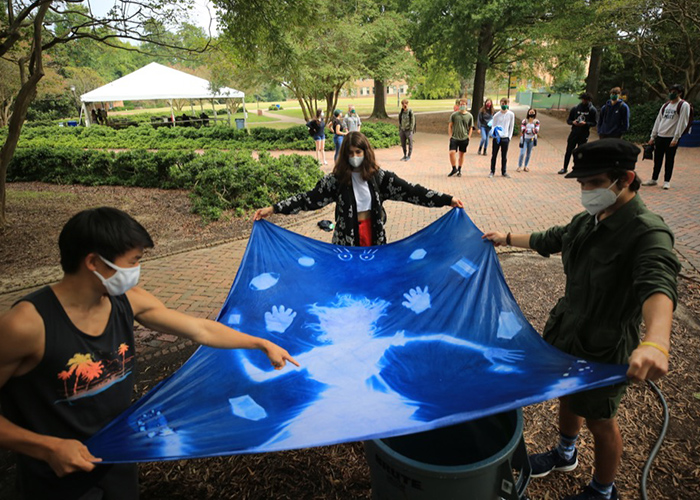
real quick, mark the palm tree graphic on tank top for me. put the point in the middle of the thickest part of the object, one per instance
(86, 376)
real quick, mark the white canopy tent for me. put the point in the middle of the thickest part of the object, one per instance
(157, 82)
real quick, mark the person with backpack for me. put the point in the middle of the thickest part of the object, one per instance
(352, 120)
(483, 119)
(614, 119)
(359, 187)
(407, 126)
(339, 131)
(317, 129)
(674, 120)
(581, 118)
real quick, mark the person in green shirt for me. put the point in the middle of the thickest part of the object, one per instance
(460, 129)
(620, 268)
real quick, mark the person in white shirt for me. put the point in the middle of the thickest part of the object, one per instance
(671, 123)
(502, 130)
(352, 120)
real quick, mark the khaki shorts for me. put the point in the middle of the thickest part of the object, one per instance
(598, 404)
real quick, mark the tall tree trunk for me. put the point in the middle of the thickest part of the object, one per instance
(379, 110)
(24, 98)
(594, 71)
(482, 64)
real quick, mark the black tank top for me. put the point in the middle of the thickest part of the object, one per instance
(81, 383)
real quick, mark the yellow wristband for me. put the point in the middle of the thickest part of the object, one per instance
(657, 346)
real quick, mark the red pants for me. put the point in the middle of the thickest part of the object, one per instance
(365, 232)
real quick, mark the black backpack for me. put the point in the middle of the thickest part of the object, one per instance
(691, 115)
(313, 128)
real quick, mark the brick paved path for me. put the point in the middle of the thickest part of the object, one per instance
(198, 281)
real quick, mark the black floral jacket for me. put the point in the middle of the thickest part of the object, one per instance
(385, 185)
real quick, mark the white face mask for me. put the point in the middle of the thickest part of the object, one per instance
(124, 279)
(356, 161)
(597, 200)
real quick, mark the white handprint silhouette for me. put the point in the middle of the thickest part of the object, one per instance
(417, 300)
(279, 319)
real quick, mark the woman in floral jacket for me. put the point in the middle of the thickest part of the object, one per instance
(359, 187)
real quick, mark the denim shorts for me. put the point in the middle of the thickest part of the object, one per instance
(320, 137)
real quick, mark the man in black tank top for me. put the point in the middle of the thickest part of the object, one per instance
(67, 358)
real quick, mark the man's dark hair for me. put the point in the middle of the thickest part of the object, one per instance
(679, 88)
(618, 173)
(585, 96)
(105, 230)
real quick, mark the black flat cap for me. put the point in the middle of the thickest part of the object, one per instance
(601, 156)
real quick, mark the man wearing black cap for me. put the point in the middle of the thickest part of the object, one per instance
(581, 118)
(620, 268)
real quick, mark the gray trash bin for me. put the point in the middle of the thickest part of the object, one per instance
(484, 459)
(240, 123)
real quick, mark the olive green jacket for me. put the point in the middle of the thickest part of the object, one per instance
(611, 268)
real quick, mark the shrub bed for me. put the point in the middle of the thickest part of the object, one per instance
(218, 180)
(381, 135)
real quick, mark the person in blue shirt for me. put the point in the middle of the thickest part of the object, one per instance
(614, 119)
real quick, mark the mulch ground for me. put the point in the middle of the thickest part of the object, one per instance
(37, 212)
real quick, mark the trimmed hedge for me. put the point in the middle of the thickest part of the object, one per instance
(218, 180)
(381, 135)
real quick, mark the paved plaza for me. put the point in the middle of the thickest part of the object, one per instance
(198, 281)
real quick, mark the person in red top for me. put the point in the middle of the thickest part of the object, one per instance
(67, 358)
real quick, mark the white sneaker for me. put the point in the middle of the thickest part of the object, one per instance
(650, 182)
(667, 185)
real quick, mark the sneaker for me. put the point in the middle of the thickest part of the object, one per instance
(408, 158)
(544, 463)
(589, 493)
(526, 169)
(479, 152)
(506, 175)
(667, 185)
(403, 158)
(459, 173)
(454, 171)
(562, 171)
(518, 169)
(490, 175)
(650, 182)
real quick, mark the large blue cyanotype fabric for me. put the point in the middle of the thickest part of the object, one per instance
(395, 339)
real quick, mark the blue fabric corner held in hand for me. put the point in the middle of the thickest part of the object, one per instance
(396, 339)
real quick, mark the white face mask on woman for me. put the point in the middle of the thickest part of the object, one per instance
(597, 200)
(356, 161)
(123, 280)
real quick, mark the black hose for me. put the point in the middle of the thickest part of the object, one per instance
(659, 442)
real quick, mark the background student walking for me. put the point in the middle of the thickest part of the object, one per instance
(671, 123)
(339, 131)
(581, 118)
(460, 130)
(483, 119)
(407, 125)
(502, 131)
(317, 129)
(529, 129)
(614, 119)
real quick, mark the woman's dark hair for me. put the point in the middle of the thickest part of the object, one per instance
(319, 111)
(105, 230)
(483, 108)
(618, 173)
(343, 169)
(531, 110)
